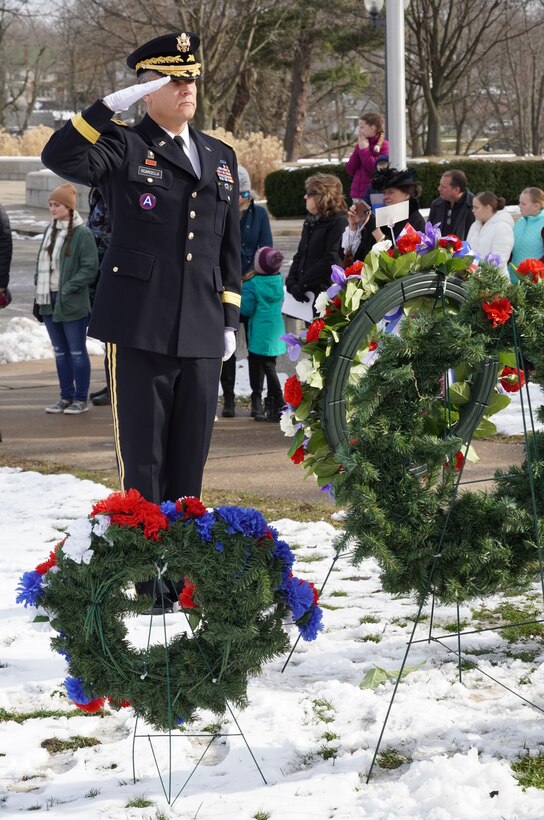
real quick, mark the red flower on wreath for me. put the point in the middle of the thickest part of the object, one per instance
(91, 707)
(190, 506)
(372, 345)
(298, 455)
(186, 595)
(533, 268)
(51, 561)
(292, 391)
(355, 269)
(408, 241)
(451, 241)
(312, 334)
(131, 509)
(512, 379)
(459, 460)
(498, 310)
(315, 591)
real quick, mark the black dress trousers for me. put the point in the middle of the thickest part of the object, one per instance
(163, 413)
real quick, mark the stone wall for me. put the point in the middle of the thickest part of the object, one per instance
(39, 185)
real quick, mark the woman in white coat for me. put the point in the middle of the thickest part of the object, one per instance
(493, 230)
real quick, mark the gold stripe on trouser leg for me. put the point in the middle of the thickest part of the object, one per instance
(111, 358)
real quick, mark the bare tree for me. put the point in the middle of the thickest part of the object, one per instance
(446, 39)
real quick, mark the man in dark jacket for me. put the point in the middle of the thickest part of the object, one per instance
(168, 299)
(453, 208)
(6, 251)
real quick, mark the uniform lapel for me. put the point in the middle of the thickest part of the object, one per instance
(163, 145)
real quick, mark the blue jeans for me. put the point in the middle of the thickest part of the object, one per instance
(71, 357)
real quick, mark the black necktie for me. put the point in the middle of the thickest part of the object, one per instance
(180, 142)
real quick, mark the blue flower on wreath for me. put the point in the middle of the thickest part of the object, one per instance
(219, 546)
(30, 589)
(75, 689)
(298, 595)
(243, 519)
(169, 509)
(314, 624)
(204, 524)
(284, 553)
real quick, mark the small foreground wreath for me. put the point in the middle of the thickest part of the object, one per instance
(239, 589)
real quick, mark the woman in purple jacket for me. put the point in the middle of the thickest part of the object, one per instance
(370, 145)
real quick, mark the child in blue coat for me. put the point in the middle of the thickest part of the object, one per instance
(262, 299)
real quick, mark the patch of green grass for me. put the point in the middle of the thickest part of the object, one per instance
(212, 728)
(369, 619)
(522, 620)
(323, 709)
(529, 771)
(139, 802)
(54, 745)
(392, 759)
(526, 656)
(337, 593)
(329, 736)
(93, 793)
(329, 606)
(371, 638)
(422, 617)
(524, 681)
(402, 622)
(20, 717)
(35, 807)
(310, 559)
(262, 815)
(328, 753)
(454, 626)
(477, 652)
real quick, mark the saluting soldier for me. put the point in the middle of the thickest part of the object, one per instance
(168, 298)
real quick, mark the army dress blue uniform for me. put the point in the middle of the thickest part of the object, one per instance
(169, 286)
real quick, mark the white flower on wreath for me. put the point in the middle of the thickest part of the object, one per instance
(286, 423)
(101, 525)
(304, 370)
(78, 541)
(384, 245)
(321, 303)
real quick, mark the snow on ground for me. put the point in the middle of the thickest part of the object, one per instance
(312, 729)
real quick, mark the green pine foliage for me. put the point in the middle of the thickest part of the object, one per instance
(398, 479)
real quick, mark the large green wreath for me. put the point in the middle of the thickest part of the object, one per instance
(239, 591)
(394, 463)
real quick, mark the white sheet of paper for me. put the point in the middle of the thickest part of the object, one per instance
(390, 214)
(298, 310)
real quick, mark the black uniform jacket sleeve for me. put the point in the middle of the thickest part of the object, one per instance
(170, 280)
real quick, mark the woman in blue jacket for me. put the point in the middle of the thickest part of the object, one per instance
(255, 233)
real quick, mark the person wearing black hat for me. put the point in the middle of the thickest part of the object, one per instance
(396, 186)
(167, 302)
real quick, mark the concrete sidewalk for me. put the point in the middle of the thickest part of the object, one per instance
(245, 455)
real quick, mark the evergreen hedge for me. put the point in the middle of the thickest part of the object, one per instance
(284, 190)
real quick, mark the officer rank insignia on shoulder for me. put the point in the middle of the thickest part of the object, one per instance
(223, 172)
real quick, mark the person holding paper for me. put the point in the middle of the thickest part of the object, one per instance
(398, 186)
(320, 243)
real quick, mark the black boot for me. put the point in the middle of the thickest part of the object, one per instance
(160, 594)
(256, 405)
(228, 407)
(276, 407)
(263, 415)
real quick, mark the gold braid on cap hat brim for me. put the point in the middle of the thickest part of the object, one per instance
(158, 64)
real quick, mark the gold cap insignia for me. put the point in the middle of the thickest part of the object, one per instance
(183, 43)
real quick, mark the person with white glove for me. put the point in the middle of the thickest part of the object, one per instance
(123, 99)
(168, 299)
